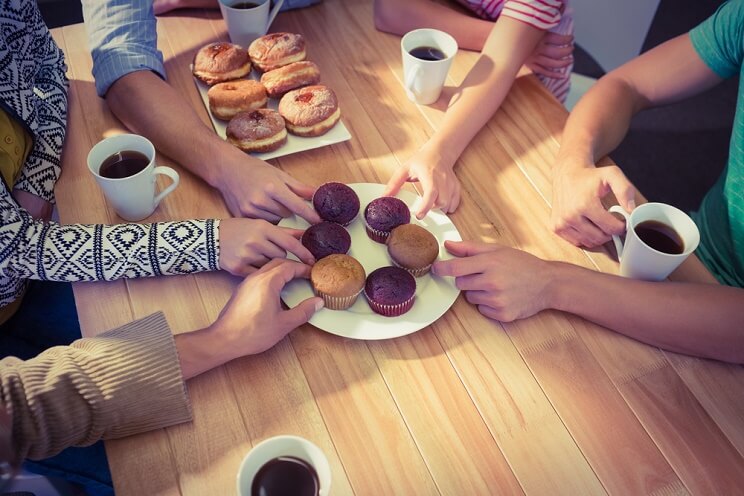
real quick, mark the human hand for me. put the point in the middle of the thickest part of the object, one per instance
(246, 244)
(435, 173)
(38, 208)
(256, 189)
(504, 283)
(253, 320)
(578, 215)
(552, 55)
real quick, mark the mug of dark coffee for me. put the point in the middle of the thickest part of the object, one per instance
(658, 239)
(284, 465)
(124, 167)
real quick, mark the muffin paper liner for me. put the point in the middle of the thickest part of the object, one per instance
(414, 272)
(376, 235)
(391, 310)
(337, 302)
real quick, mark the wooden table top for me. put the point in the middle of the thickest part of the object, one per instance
(550, 404)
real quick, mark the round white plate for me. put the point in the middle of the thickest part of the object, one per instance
(434, 294)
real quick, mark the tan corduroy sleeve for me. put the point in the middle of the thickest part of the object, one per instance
(122, 382)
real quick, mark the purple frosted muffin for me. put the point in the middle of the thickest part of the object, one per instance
(390, 291)
(336, 202)
(384, 214)
(326, 239)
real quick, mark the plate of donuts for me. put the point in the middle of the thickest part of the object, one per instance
(268, 100)
(434, 295)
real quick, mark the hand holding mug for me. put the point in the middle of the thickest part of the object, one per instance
(658, 239)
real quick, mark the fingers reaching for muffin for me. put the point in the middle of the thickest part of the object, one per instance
(306, 108)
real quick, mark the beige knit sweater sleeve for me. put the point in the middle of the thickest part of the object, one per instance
(122, 382)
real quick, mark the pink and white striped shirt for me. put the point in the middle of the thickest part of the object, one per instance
(555, 16)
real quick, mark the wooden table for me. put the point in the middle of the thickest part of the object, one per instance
(550, 404)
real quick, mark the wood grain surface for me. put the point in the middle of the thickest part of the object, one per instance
(552, 404)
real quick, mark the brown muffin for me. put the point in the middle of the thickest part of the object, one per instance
(413, 248)
(338, 279)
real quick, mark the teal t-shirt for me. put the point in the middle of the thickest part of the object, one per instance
(719, 41)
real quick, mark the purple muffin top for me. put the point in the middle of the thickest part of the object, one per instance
(386, 213)
(336, 202)
(325, 239)
(390, 286)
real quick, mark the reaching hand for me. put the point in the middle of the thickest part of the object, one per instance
(552, 55)
(578, 214)
(253, 320)
(258, 190)
(246, 244)
(506, 284)
(440, 185)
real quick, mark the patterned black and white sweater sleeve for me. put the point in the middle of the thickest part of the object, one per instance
(32, 249)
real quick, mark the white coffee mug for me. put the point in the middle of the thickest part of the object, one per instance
(246, 24)
(640, 261)
(424, 79)
(277, 446)
(132, 197)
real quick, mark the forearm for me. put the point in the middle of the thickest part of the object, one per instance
(396, 17)
(598, 123)
(201, 350)
(485, 87)
(164, 117)
(696, 319)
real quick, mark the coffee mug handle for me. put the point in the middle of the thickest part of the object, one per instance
(166, 171)
(617, 209)
(410, 79)
(273, 13)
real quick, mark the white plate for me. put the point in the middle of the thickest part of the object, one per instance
(294, 144)
(434, 294)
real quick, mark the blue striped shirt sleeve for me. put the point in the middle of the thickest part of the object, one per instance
(122, 38)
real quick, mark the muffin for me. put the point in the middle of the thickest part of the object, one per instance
(390, 291)
(336, 202)
(412, 248)
(326, 238)
(382, 215)
(338, 279)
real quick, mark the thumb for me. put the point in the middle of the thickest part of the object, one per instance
(295, 317)
(469, 248)
(396, 182)
(622, 188)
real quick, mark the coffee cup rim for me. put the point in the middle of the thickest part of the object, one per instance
(150, 154)
(689, 248)
(449, 37)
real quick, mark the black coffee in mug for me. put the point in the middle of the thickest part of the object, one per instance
(245, 5)
(660, 237)
(123, 164)
(286, 476)
(427, 53)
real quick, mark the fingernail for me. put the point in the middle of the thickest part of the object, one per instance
(319, 304)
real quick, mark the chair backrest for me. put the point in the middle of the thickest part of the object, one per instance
(612, 31)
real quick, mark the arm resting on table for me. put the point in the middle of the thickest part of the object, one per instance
(696, 319)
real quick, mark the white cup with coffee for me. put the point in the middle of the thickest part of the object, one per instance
(427, 57)
(248, 20)
(124, 167)
(285, 465)
(658, 238)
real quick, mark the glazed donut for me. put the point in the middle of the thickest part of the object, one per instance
(229, 98)
(276, 50)
(310, 111)
(259, 130)
(289, 77)
(221, 61)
